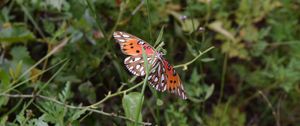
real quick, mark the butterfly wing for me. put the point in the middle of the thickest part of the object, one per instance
(173, 84)
(157, 78)
(132, 45)
(164, 77)
(135, 64)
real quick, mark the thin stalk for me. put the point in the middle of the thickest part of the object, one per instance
(115, 94)
(90, 7)
(146, 65)
(32, 20)
(149, 19)
(122, 8)
(223, 78)
(193, 60)
(71, 106)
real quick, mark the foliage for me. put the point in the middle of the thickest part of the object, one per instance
(239, 62)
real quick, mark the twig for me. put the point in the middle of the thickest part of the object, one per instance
(138, 7)
(115, 94)
(53, 51)
(224, 69)
(31, 19)
(270, 105)
(71, 106)
(193, 60)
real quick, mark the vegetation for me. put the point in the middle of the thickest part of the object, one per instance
(239, 62)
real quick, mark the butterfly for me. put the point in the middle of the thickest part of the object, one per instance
(162, 75)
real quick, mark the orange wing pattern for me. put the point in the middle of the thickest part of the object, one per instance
(174, 84)
(132, 45)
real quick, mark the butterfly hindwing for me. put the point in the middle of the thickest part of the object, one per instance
(157, 78)
(174, 84)
(132, 45)
(135, 64)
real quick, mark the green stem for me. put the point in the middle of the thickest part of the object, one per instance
(149, 19)
(122, 7)
(147, 69)
(223, 78)
(32, 20)
(193, 60)
(97, 18)
(115, 94)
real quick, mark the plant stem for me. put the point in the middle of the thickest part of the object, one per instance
(223, 78)
(147, 69)
(193, 60)
(71, 106)
(97, 18)
(149, 19)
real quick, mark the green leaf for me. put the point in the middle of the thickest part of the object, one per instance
(209, 91)
(15, 33)
(207, 59)
(4, 85)
(159, 102)
(77, 115)
(187, 25)
(16, 69)
(3, 120)
(20, 53)
(39, 122)
(55, 3)
(190, 25)
(130, 104)
(159, 36)
(4, 78)
(87, 90)
(49, 26)
(66, 93)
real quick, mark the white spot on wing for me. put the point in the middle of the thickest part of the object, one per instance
(126, 59)
(142, 68)
(138, 66)
(162, 79)
(137, 58)
(142, 73)
(165, 87)
(156, 79)
(125, 35)
(121, 40)
(157, 88)
(130, 68)
(183, 96)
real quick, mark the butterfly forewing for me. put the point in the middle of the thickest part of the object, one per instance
(132, 45)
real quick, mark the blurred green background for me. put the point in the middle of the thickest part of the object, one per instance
(58, 57)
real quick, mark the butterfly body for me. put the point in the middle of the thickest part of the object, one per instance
(162, 75)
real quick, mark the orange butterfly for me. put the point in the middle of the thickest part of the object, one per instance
(162, 75)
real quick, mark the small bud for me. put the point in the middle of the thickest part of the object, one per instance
(97, 34)
(183, 17)
(201, 29)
